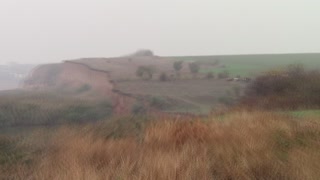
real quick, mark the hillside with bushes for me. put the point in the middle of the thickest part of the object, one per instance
(75, 121)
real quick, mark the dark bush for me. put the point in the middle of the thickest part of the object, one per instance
(163, 77)
(291, 88)
(143, 52)
(83, 88)
(226, 100)
(223, 75)
(138, 108)
(145, 72)
(194, 68)
(158, 102)
(210, 75)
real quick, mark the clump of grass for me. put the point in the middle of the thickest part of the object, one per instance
(245, 145)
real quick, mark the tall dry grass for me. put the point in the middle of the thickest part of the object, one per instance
(255, 145)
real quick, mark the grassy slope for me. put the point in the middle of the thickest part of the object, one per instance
(19, 108)
(186, 100)
(255, 145)
(249, 65)
(193, 96)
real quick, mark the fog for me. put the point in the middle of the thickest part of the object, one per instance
(39, 31)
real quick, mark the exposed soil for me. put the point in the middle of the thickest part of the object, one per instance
(69, 76)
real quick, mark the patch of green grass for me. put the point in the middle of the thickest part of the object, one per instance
(305, 113)
(28, 108)
(250, 65)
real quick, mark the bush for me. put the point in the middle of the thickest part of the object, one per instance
(210, 75)
(143, 52)
(163, 77)
(83, 88)
(291, 88)
(177, 65)
(194, 68)
(158, 102)
(138, 108)
(145, 72)
(226, 100)
(223, 75)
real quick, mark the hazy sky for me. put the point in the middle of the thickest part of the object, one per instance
(53, 30)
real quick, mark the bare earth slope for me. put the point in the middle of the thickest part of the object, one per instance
(78, 79)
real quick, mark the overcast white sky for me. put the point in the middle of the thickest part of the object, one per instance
(53, 30)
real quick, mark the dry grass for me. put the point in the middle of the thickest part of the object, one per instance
(255, 145)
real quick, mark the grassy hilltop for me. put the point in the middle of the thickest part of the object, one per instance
(252, 65)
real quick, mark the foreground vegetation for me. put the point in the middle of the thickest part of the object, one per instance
(244, 145)
(270, 131)
(25, 108)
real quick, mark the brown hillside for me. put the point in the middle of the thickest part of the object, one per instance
(78, 79)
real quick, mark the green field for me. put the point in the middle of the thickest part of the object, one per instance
(305, 113)
(251, 65)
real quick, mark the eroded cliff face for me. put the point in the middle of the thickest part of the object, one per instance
(79, 79)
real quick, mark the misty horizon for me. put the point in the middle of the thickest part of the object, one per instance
(38, 31)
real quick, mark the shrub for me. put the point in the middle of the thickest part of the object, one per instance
(83, 88)
(223, 75)
(138, 108)
(226, 100)
(210, 75)
(143, 52)
(145, 72)
(177, 65)
(293, 87)
(163, 77)
(158, 102)
(194, 68)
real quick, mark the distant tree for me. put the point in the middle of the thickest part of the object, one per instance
(140, 71)
(194, 68)
(177, 65)
(145, 72)
(143, 52)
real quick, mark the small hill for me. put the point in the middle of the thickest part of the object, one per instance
(181, 91)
